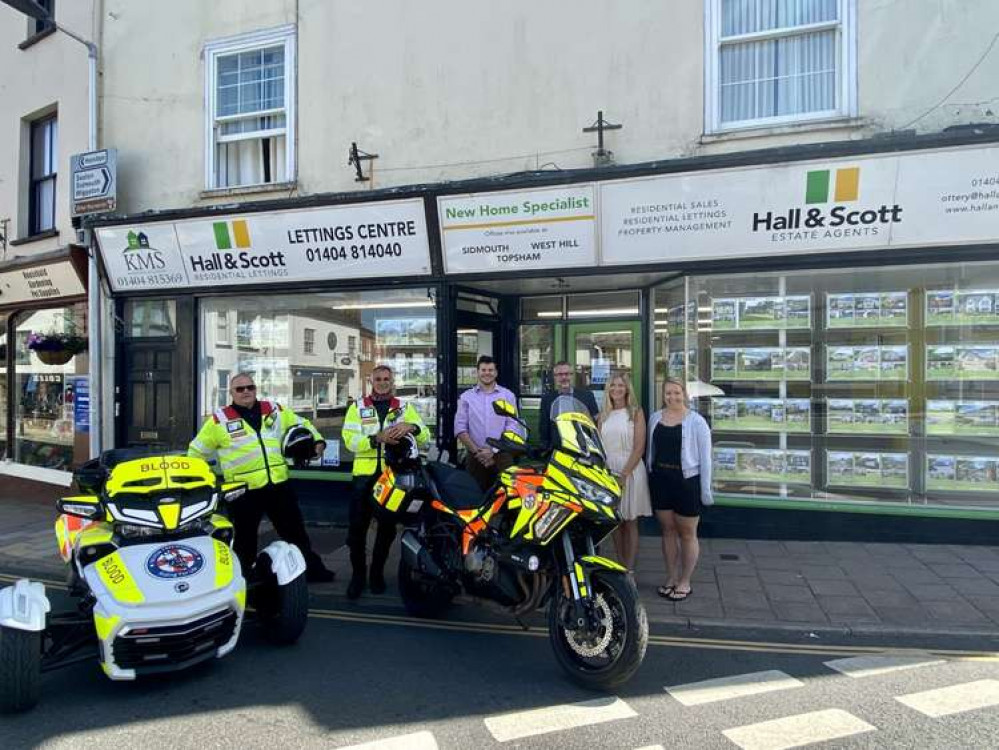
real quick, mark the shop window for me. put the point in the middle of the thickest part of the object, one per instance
(251, 109)
(51, 420)
(778, 61)
(150, 318)
(397, 328)
(877, 384)
(602, 305)
(44, 159)
(3, 385)
(542, 308)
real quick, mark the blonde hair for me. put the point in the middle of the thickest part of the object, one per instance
(629, 398)
(680, 384)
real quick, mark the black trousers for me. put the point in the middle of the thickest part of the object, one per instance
(362, 510)
(279, 503)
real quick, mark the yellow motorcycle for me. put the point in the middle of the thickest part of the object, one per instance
(529, 543)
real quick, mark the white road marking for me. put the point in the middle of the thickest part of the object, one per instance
(954, 699)
(796, 731)
(737, 686)
(522, 724)
(868, 666)
(414, 741)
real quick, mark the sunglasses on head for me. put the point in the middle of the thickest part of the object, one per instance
(242, 388)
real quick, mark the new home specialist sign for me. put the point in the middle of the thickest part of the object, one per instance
(514, 231)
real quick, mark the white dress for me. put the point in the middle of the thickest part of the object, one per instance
(618, 435)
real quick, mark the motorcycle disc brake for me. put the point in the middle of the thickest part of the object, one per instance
(584, 642)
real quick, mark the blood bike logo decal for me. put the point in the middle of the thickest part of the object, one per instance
(174, 561)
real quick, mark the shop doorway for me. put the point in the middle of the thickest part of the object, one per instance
(154, 403)
(596, 350)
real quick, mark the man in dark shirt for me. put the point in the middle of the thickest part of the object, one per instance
(562, 374)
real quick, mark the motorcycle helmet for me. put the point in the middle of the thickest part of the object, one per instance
(404, 456)
(299, 446)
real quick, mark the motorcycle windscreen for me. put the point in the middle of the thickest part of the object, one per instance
(574, 429)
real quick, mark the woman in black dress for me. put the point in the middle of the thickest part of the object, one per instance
(679, 461)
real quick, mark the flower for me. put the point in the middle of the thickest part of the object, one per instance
(57, 342)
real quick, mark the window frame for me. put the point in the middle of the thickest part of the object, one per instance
(213, 50)
(52, 146)
(309, 341)
(846, 68)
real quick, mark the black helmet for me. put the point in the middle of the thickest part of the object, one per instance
(404, 456)
(299, 446)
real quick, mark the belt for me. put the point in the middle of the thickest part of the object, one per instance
(668, 466)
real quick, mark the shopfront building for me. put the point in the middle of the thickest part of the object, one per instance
(44, 383)
(835, 313)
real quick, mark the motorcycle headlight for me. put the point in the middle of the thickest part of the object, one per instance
(593, 493)
(133, 531)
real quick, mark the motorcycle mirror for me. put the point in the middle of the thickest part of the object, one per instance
(80, 506)
(504, 408)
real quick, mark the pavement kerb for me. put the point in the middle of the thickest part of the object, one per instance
(823, 629)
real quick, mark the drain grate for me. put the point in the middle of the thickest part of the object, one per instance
(730, 557)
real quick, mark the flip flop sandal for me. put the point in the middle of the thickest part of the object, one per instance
(665, 591)
(679, 596)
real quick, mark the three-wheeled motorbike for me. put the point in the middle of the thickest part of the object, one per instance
(156, 583)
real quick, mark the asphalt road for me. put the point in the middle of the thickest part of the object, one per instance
(360, 676)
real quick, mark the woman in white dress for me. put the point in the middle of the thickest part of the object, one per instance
(622, 429)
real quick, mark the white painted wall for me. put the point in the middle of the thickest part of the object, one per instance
(446, 90)
(49, 75)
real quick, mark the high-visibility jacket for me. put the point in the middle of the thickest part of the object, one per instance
(244, 454)
(362, 423)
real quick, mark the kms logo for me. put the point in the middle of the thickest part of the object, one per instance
(845, 190)
(232, 240)
(139, 256)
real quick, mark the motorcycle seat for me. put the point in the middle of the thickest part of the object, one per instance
(458, 490)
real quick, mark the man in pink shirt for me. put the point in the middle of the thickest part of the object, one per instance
(475, 421)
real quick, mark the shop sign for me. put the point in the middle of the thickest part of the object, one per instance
(516, 231)
(386, 240)
(895, 200)
(35, 283)
(79, 385)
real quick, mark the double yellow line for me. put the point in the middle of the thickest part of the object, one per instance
(713, 644)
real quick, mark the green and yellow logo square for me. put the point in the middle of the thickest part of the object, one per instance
(847, 187)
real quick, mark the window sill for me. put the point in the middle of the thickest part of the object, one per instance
(766, 131)
(34, 39)
(35, 237)
(273, 187)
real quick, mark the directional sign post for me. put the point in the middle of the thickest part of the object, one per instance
(94, 177)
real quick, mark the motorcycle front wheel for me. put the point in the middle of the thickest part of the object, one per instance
(607, 655)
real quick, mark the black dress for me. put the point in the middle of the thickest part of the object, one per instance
(670, 491)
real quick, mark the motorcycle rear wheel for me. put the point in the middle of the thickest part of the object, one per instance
(420, 597)
(611, 653)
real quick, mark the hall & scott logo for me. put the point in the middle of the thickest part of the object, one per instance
(233, 254)
(841, 187)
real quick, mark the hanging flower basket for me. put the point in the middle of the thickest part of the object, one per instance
(56, 348)
(55, 356)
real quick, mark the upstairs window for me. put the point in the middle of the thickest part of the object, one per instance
(310, 340)
(42, 188)
(250, 92)
(773, 62)
(37, 25)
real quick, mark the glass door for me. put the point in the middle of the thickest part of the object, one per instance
(596, 350)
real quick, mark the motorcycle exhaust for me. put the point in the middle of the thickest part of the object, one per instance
(417, 556)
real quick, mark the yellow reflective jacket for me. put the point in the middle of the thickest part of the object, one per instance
(362, 423)
(244, 454)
